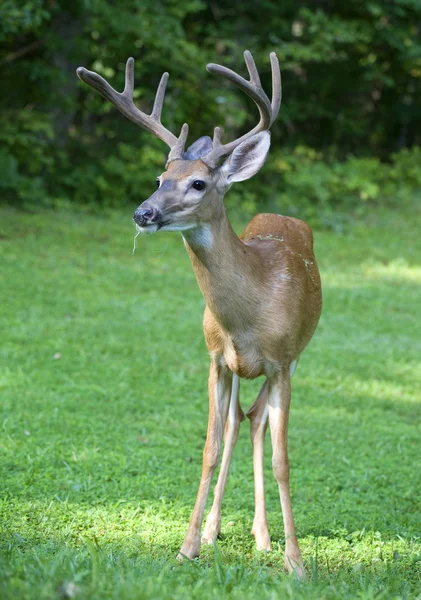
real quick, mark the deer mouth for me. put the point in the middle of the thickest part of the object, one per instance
(151, 228)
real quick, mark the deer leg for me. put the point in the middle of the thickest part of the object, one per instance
(258, 415)
(232, 427)
(220, 380)
(279, 391)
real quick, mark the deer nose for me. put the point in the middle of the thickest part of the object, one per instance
(143, 215)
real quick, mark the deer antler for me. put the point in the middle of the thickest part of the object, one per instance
(253, 88)
(124, 102)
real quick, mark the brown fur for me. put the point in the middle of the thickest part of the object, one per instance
(265, 309)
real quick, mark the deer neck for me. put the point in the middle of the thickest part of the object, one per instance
(226, 270)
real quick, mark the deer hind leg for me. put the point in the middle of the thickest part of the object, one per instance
(279, 392)
(258, 415)
(220, 380)
(232, 427)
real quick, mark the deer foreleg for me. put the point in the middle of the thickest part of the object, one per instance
(232, 427)
(220, 380)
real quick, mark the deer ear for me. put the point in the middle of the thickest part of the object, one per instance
(247, 158)
(199, 148)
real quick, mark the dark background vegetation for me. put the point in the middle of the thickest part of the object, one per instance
(347, 132)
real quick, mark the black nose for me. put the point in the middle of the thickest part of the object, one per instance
(143, 215)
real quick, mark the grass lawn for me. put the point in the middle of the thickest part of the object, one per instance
(103, 373)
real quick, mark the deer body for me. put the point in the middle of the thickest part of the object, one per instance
(262, 293)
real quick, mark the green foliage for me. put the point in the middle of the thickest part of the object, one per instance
(332, 183)
(406, 167)
(25, 139)
(17, 18)
(351, 78)
(125, 175)
(307, 184)
(103, 412)
(323, 184)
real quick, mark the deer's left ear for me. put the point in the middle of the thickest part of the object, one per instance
(199, 148)
(247, 158)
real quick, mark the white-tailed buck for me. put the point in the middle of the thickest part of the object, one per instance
(262, 291)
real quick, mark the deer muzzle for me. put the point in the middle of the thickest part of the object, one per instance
(145, 215)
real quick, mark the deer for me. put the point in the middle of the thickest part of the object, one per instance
(262, 292)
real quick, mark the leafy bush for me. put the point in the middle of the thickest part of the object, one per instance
(406, 168)
(25, 159)
(126, 174)
(316, 187)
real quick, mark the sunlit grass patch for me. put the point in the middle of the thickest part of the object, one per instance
(396, 269)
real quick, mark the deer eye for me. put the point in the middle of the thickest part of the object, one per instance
(157, 182)
(199, 185)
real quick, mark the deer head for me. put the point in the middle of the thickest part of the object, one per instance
(191, 189)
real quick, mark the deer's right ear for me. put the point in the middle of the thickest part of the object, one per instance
(247, 158)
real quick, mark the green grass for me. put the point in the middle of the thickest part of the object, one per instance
(104, 408)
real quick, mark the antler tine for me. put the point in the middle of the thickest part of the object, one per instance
(251, 68)
(216, 137)
(253, 88)
(211, 158)
(159, 98)
(129, 79)
(177, 151)
(124, 101)
(276, 86)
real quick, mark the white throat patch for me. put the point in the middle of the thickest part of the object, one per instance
(200, 236)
